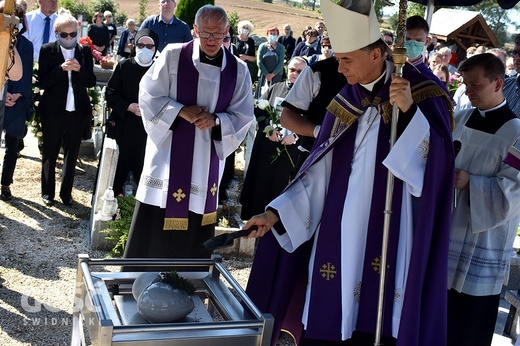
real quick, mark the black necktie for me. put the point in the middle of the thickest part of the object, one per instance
(46, 30)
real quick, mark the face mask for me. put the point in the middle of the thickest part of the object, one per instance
(144, 55)
(244, 31)
(273, 38)
(413, 48)
(20, 26)
(511, 73)
(66, 43)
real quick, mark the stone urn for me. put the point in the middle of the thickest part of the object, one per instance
(161, 303)
(163, 297)
(142, 281)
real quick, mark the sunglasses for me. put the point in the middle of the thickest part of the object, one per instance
(226, 39)
(147, 45)
(295, 70)
(326, 46)
(71, 34)
(389, 42)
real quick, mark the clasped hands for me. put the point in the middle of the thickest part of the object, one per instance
(198, 116)
(10, 99)
(71, 65)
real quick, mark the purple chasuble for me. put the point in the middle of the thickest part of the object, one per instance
(183, 143)
(274, 283)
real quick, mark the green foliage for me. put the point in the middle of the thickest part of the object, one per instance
(233, 19)
(117, 231)
(175, 281)
(104, 5)
(76, 8)
(186, 9)
(120, 18)
(142, 10)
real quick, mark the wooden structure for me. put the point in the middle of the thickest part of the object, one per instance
(465, 28)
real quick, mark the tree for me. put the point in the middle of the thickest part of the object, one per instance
(186, 9)
(142, 10)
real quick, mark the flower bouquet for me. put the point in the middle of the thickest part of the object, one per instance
(86, 41)
(272, 119)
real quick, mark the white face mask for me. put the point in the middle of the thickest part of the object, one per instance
(244, 31)
(144, 55)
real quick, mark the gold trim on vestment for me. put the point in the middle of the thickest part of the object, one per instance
(341, 113)
(181, 224)
(208, 219)
(175, 224)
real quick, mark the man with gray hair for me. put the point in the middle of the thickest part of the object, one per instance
(197, 105)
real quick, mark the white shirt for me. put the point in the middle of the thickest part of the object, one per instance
(69, 106)
(35, 27)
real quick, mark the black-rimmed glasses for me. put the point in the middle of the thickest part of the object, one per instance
(71, 34)
(216, 36)
(147, 45)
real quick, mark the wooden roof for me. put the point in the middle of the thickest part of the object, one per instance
(467, 28)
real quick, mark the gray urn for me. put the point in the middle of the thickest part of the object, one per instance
(142, 281)
(160, 303)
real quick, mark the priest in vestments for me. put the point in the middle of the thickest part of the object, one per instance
(331, 216)
(197, 105)
(487, 209)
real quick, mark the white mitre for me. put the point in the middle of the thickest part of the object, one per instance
(351, 25)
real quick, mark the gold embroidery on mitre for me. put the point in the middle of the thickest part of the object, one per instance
(213, 189)
(175, 224)
(328, 271)
(179, 195)
(209, 219)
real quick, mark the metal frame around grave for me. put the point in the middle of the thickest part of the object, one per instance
(236, 320)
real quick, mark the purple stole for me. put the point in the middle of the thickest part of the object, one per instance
(325, 315)
(183, 143)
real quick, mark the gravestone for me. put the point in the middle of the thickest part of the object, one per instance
(105, 179)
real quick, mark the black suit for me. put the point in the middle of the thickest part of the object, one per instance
(61, 127)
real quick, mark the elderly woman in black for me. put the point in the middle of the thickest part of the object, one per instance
(122, 97)
(66, 71)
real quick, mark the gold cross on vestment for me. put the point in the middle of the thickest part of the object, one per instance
(328, 271)
(376, 264)
(213, 189)
(179, 195)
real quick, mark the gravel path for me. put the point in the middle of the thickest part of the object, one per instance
(38, 254)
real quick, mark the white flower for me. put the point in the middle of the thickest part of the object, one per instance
(262, 104)
(34, 123)
(36, 90)
(97, 107)
(36, 103)
(41, 92)
(34, 80)
(39, 134)
(94, 113)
